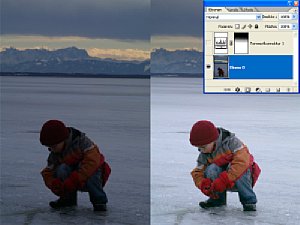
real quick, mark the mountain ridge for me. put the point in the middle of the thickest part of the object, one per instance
(73, 60)
(177, 61)
(67, 60)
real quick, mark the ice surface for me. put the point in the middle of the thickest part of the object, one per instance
(268, 124)
(115, 113)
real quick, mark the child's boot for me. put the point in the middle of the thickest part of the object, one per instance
(214, 202)
(100, 207)
(70, 200)
(249, 207)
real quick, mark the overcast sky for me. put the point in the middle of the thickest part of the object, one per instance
(116, 19)
(176, 17)
(127, 24)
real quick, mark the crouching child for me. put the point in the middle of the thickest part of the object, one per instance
(224, 163)
(74, 163)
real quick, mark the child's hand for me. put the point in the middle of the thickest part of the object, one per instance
(205, 186)
(222, 183)
(71, 184)
(57, 187)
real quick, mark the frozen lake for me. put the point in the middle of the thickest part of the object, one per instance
(115, 113)
(268, 124)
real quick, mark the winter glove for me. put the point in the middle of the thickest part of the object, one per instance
(71, 184)
(222, 183)
(57, 187)
(205, 186)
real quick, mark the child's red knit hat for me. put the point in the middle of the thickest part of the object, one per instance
(203, 132)
(53, 132)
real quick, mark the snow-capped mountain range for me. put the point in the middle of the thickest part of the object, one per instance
(67, 60)
(74, 60)
(178, 61)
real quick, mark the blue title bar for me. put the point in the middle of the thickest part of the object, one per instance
(260, 67)
(262, 3)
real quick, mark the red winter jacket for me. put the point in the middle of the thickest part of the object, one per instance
(81, 153)
(229, 150)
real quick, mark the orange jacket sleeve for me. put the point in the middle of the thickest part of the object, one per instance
(92, 160)
(48, 176)
(241, 161)
(198, 175)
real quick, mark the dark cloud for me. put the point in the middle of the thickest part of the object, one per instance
(116, 19)
(177, 17)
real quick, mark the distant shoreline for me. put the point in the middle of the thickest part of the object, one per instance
(83, 75)
(192, 75)
(79, 75)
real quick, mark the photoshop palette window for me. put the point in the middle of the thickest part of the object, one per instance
(251, 46)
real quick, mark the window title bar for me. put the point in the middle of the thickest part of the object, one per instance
(264, 3)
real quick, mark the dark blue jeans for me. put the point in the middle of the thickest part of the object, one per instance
(243, 185)
(93, 185)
